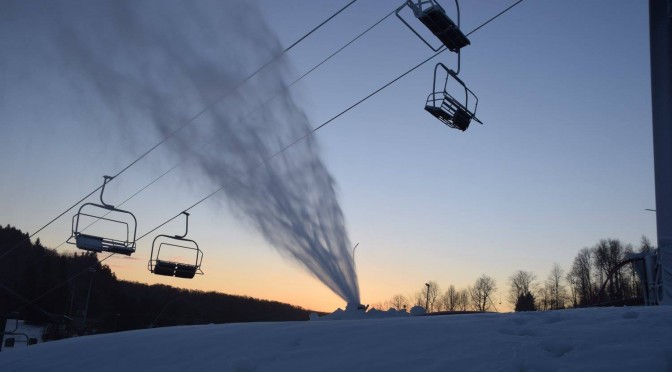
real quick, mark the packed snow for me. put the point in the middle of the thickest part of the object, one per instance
(604, 339)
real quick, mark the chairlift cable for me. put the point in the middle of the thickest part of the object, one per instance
(59, 285)
(274, 155)
(220, 98)
(493, 18)
(49, 223)
(194, 154)
(264, 161)
(344, 46)
(185, 124)
(21, 297)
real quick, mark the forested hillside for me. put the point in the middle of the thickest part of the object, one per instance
(49, 288)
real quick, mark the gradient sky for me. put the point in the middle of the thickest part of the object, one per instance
(564, 158)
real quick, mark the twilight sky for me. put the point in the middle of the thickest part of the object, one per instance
(563, 160)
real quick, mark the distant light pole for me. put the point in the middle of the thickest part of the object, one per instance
(427, 303)
(153, 323)
(353, 253)
(88, 296)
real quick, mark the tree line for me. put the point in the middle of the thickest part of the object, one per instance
(594, 279)
(477, 297)
(92, 299)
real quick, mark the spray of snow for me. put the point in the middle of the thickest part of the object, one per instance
(160, 62)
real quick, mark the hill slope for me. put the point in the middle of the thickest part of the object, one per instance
(605, 339)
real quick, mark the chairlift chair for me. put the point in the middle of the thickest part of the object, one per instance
(171, 267)
(89, 242)
(448, 109)
(434, 17)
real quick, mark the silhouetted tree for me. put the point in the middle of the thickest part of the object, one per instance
(555, 292)
(481, 293)
(450, 299)
(581, 275)
(399, 302)
(521, 282)
(645, 245)
(430, 295)
(464, 300)
(525, 302)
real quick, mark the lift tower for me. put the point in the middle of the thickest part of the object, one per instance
(660, 31)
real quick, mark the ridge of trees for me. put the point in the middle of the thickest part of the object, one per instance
(578, 287)
(32, 270)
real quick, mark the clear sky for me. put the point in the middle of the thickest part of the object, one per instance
(563, 160)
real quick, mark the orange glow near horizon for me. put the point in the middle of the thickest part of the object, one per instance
(278, 283)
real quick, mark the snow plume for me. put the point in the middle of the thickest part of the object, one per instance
(162, 62)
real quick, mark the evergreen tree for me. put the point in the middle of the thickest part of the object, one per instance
(525, 302)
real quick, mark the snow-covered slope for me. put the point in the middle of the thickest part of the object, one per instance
(608, 339)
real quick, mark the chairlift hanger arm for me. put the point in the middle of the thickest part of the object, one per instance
(106, 179)
(186, 228)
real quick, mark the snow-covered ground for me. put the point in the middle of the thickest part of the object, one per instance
(607, 339)
(23, 330)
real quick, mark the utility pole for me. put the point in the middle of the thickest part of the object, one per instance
(427, 303)
(660, 32)
(88, 297)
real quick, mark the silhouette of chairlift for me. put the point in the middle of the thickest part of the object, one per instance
(434, 17)
(100, 243)
(446, 107)
(185, 270)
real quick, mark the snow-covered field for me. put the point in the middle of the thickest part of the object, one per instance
(25, 330)
(607, 339)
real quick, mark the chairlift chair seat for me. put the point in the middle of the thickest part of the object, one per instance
(89, 242)
(100, 244)
(436, 20)
(164, 268)
(448, 109)
(170, 267)
(450, 112)
(185, 271)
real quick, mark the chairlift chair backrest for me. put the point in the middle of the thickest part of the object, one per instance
(119, 243)
(446, 107)
(434, 17)
(172, 266)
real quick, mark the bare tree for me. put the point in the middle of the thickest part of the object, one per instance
(573, 288)
(482, 291)
(582, 277)
(543, 298)
(608, 254)
(419, 298)
(645, 245)
(431, 295)
(521, 282)
(461, 300)
(398, 302)
(555, 292)
(451, 298)
(378, 306)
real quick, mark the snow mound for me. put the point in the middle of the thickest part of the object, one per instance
(605, 339)
(351, 313)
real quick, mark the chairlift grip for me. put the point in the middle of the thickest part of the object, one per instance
(409, 2)
(413, 8)
(186, 228)
(106, 179)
